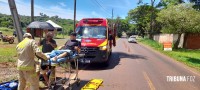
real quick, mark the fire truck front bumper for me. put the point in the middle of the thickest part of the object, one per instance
(94, 55)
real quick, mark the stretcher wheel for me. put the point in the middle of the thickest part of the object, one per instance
(78, 82)
(52, 86)
(70, 87)
(63, 81)
(72, 65)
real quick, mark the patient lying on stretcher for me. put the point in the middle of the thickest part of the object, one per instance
(68, 49)
(58, 56)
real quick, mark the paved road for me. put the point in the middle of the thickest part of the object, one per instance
(135, 67)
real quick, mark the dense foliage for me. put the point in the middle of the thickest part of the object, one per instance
(185, 19)
(67, 24)
(141, 16)
(179, 19)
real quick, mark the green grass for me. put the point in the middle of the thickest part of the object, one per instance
(7, 53)
(60, 36)
(189, 57)
(151, 43)
(6, 31)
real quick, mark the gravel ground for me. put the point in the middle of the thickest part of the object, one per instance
(8, 74)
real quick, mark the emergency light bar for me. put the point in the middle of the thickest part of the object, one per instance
(92, 20)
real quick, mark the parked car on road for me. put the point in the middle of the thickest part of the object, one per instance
(132, 39)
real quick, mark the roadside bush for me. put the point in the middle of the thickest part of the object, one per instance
(5, 29)
(151, 43)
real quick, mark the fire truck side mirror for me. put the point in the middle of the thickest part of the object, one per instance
(110, 37)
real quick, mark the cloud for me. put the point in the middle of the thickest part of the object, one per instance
(60, 8)
(95, 14)
(127, 2)
(124, 4)
(25, 9)
(62, 4)
(4, 8)
(3, 1)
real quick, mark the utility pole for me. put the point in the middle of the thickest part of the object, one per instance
(151, 23)
(32, 10)
(32, 17)
(112, 14)
(112, 20)
(16, 20)
(74, 15)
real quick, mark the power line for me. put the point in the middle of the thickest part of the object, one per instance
(102, 7)
(74, 15)
(100, 2)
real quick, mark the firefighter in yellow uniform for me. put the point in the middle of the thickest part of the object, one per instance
(26, 65)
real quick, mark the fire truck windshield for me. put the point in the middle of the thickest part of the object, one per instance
(91, 32)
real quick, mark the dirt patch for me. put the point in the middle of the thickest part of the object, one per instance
(8, 71)
(8, 65)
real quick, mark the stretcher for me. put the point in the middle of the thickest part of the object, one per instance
(70, 74)
(93, 84)
(59, 61)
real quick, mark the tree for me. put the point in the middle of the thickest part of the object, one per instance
(67, 24)
(119, 31)
(152, 19)
(142, 16)
(5, 21)
(165, 3)
(196, 4)
(173, 2)
(122, 26)
(132, 30)
(179, 19)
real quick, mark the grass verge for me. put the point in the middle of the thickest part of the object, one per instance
(6, 31)
(7, 52)
(189, 57)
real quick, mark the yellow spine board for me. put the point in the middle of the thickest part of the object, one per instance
(92, 84)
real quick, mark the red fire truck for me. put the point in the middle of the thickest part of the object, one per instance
(97, 39)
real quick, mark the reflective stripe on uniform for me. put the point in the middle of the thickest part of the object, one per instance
(25, 68)
(23, 43)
